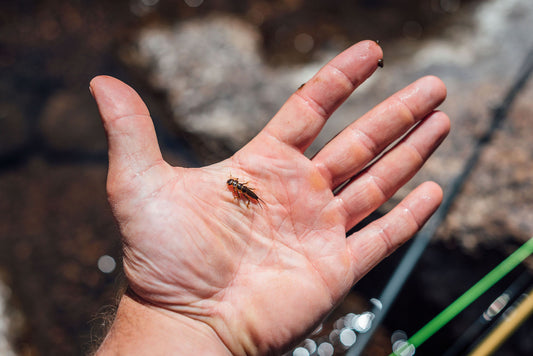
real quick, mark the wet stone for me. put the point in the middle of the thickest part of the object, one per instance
(217, 84)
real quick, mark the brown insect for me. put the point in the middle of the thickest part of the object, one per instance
(241, 190)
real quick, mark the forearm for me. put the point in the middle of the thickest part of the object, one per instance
(141, 330)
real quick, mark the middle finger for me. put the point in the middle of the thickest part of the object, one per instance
(366, 138)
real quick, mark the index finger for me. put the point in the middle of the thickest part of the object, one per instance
(302, 117)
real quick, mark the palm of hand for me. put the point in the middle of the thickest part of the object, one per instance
(238, 256)
(262, 276)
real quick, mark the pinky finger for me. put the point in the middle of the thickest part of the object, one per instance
(382, 237)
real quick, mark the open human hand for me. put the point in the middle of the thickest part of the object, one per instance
(253, 278)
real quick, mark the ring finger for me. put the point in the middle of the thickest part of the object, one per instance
(380, 181)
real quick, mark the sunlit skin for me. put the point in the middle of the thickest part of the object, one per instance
(210, 276)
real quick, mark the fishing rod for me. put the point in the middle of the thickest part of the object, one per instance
(492, 314)
(518, 313)
(468, 297)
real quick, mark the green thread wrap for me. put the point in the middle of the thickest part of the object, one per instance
(468, 297)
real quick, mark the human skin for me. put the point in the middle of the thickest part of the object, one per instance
(209, 275)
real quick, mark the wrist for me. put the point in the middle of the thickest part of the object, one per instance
(140, 329)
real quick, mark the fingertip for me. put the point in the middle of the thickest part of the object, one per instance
(370, 45)
(373, 46)
(438, 88)
(99, 83)
(364, 51)
(432, 191)
(96, 80)
(444, 120)
(439, 123)
(376, 51)
(115, 98)
(429, 196)
(425, 93)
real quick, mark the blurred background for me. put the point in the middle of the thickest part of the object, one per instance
(212, 73)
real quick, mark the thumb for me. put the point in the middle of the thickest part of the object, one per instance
(132, 142)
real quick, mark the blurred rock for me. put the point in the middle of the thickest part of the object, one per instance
(217, 84)
(495, 208)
